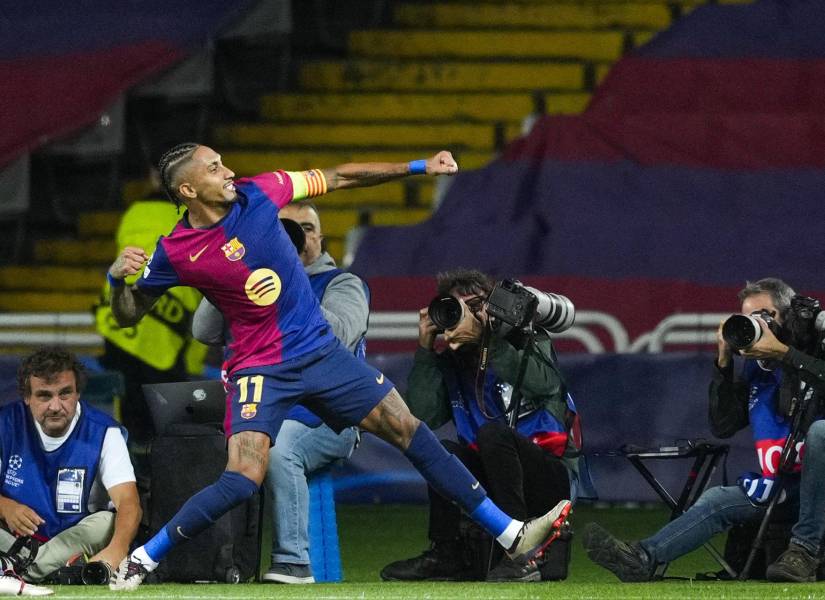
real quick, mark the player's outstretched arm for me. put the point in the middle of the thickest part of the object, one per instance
(352, 175)
(128, 303)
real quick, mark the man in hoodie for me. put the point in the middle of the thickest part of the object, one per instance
(305, 444)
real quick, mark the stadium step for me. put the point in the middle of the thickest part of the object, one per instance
(441, 76)
(399, 107)
(98, 223)
(476, 136)
(513, 44)
(251, 163)
(93, 251)
(629, 15)
(62, 301)
(88, 279)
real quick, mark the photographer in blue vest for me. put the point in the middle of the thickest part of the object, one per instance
(778, 372)
(304, 444)
(66, 479)
(528, 468)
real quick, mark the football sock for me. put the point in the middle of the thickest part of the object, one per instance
(449, 477)
(201, 511)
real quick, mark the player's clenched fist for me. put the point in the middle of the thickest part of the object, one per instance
(129, 262)
(442, 163)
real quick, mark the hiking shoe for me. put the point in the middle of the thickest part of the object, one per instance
(794, 564)
(628, 562)
(129, 575)
(443, 561)
(288, 573)
(15, 586)
(518, 569)
(536, 534)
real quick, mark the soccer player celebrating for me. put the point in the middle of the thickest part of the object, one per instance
(231, 246)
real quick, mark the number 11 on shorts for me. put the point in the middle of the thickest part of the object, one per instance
(257, 385)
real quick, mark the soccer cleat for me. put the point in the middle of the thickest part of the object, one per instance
(794, 564)
(519, 569)
(288, 573)
(129, 575)
(628, 562)
(536, 534)
(15, 586)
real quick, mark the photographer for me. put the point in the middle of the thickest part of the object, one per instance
(763, 398)
(527, 470)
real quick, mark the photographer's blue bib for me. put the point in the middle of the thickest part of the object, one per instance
(56, 485)
(538, 425)
(770, 429)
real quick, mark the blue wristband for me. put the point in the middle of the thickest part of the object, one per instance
(115, 282)
(418, 167)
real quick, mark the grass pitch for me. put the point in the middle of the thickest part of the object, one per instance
(372, 536)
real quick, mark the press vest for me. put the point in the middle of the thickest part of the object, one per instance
(538, 424)
(56, 484)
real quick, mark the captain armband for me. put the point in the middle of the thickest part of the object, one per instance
(307, 184)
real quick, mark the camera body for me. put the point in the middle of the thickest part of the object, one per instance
(510, 306)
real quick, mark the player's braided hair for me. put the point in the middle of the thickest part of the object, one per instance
(170, 163)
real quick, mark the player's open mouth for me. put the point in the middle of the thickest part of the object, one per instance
(230, 185)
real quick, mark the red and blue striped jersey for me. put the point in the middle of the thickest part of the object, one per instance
(246, 265)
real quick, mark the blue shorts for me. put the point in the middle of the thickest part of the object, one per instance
(332, 382)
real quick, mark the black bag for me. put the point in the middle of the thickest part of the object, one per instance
(183, 461)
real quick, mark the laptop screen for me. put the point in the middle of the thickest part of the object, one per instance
(185, 402)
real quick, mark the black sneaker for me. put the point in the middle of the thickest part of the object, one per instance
(794, 564)
(443, 561)
(288, 573)
(627, 561)
(515, 569)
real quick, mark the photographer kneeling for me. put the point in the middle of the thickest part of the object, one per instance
(527, 470)
(777, 376)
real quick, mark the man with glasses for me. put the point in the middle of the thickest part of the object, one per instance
(526, 470)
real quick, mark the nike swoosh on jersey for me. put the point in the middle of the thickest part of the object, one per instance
(380, 379)
(194, 257)
(474, 486)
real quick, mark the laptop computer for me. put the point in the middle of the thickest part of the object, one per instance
(185, 402)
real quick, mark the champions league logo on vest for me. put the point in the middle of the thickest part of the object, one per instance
(15, 464)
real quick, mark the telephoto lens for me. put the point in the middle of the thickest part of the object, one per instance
(741, 331)
(96, 573)
(445, 312)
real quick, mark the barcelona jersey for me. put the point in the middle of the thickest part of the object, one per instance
(246, 265)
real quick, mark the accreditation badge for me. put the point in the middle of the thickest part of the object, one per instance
(70, 490)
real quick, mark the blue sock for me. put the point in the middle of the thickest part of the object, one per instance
(449, 477)
(201, 511)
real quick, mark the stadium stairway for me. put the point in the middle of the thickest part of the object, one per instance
(458, 75)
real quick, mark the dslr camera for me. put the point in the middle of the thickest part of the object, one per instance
(804, 323)
(510, 306)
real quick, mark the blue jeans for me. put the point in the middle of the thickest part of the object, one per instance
(298, 452)
(720, 508)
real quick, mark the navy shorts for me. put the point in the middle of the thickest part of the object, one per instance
(332, 382)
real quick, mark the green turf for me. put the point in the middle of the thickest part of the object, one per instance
(372, 536)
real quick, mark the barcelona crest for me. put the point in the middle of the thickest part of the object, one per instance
(249, 410)
(234, 249)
